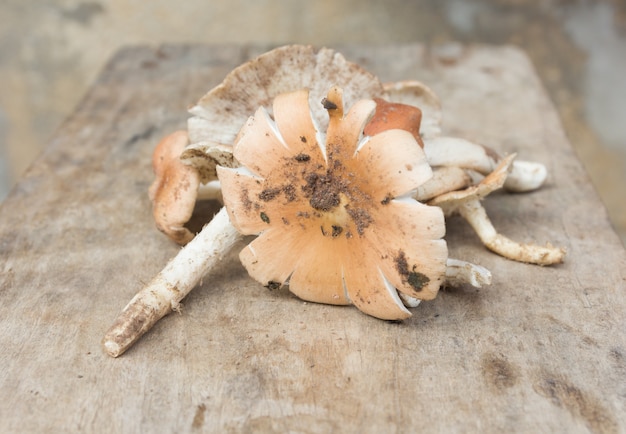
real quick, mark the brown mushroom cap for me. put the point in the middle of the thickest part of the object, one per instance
(391, 115)
(175, 188)
(417, 94)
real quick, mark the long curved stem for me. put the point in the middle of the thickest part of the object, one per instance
(164, 293)
(475, 214)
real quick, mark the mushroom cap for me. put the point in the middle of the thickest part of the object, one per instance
(219, 115)
(205, 156)
(333, 209)
(175, 188)
(391, 115)
(417, 94)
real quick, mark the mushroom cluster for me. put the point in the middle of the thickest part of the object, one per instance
(313, 154)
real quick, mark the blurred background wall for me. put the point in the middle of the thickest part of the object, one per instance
(51, 50)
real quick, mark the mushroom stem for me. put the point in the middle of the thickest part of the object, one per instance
(445, 179)
(172, 284)
(460, 272)
(475, 214)
(451, 151)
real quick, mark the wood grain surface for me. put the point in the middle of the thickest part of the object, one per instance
(543, 349)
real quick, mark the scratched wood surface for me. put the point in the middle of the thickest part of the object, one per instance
(540, 350)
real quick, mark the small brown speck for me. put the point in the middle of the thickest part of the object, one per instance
(273, 285)
(290, 192)
(329, 105)
(302, 158)
(269, 194)
(337, 230)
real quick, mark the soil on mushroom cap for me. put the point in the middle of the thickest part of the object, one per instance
(302, 157)
(414, 278)
(362, 219)
(323, 190)
(269, 194)
(324, 187)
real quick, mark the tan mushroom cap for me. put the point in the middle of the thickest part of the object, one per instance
(332, 210)
(175, 188)
(219, 115)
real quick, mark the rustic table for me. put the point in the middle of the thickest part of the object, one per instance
(540, 350)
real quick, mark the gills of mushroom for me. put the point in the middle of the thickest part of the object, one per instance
(332, 210)
(467, 203)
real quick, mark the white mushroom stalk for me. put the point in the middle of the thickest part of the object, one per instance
(165, 292)
(476, 216)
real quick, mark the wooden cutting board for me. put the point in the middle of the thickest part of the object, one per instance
(540, 350)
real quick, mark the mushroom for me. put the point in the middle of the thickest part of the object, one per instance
(391, 115)
(174, 190)
(446, 166)
(416, 94)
